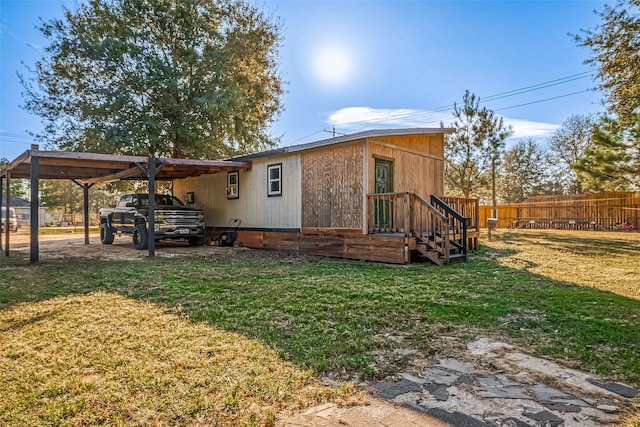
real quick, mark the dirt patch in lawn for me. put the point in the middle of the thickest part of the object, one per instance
(71, 245)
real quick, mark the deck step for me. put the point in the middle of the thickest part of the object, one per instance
(431, 255)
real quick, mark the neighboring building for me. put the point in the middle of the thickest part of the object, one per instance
(23, 211)
(362, 196)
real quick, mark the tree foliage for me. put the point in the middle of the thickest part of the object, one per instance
(477, 141)
(613, 162)
(175, 78)
(17, 187)
(522, 173)
(615, 52)
(567, 146)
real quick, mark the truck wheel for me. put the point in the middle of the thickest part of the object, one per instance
(196, 241)
(140, 237)
(106, 234)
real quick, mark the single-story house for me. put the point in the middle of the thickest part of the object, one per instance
(374, 195)
(23, 212)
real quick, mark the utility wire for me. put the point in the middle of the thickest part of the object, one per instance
(15, 135)
(543, 100)
(514, 92)
(539, 86)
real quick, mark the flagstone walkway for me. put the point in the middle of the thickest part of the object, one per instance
(519, 391)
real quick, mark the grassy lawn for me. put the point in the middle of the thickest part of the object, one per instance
(63, 230)
(237, 341)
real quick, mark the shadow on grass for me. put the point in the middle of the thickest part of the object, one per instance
(585, 243)
(340, 316)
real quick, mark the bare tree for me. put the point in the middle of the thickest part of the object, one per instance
(566, 147)
(522, 174)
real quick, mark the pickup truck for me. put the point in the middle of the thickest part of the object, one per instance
(13, 220)
(173, 220)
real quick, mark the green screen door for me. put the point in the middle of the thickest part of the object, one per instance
(384, 184)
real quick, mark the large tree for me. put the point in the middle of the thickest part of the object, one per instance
(615, 53)
(612, 163)
(522, 174)
(180, 78)
(566, 147)
(474, 147)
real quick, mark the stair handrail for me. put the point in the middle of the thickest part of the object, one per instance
(437, 227)
(435, 200)
(451, 213)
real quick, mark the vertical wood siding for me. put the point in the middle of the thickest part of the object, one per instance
(418, 162)
(253, 207)
(332, 187)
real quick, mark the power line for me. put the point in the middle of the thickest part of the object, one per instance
(543, 100)
(538, 86)
(507, 94)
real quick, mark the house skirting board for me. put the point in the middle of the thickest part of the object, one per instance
(342, 243)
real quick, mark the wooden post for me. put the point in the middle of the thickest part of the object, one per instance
(407, 215)
(1, 178)
(151, 220)
(34, 252)
(7, 213)
(85, 194)
(85, 210)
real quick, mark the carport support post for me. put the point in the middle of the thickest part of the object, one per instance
(34, 254)
(7, 213)
(152, 171)
(151, 233)
(85, 194)
(85, 211)
(1, 219)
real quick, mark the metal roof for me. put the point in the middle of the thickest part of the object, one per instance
(93, 168)
(374, 133)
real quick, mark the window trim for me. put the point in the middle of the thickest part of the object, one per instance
(271, 193)
(230, 194)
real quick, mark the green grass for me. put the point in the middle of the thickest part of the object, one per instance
(331, 315)
(570, 297)
(64, 230)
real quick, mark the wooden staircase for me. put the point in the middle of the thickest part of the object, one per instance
(434, 230)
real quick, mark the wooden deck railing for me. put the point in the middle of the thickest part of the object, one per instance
(411, 215)
(468, 208)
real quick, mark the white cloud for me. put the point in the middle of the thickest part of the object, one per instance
(353, 119)
(530, 129)
(357, 118)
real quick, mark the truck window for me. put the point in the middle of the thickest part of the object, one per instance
(123, 201)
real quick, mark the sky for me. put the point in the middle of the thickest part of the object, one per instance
(359, 65)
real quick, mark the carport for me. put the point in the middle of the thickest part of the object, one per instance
(88, 169)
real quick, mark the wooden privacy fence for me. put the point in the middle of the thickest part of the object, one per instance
(602, 211)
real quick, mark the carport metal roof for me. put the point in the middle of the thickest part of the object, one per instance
(94, 168)
(87, 169)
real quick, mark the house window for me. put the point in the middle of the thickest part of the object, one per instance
(274, 180)
(233, 185)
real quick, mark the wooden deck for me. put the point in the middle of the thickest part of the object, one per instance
(399, 226)
(351, 244)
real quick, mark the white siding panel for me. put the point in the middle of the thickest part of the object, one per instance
(253, 207)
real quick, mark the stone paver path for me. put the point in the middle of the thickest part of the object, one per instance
(536, 393)
(518, 391)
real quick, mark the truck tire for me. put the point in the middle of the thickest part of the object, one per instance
(106, 234)
(140, 237)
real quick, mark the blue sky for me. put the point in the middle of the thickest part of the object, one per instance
(358, 65)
